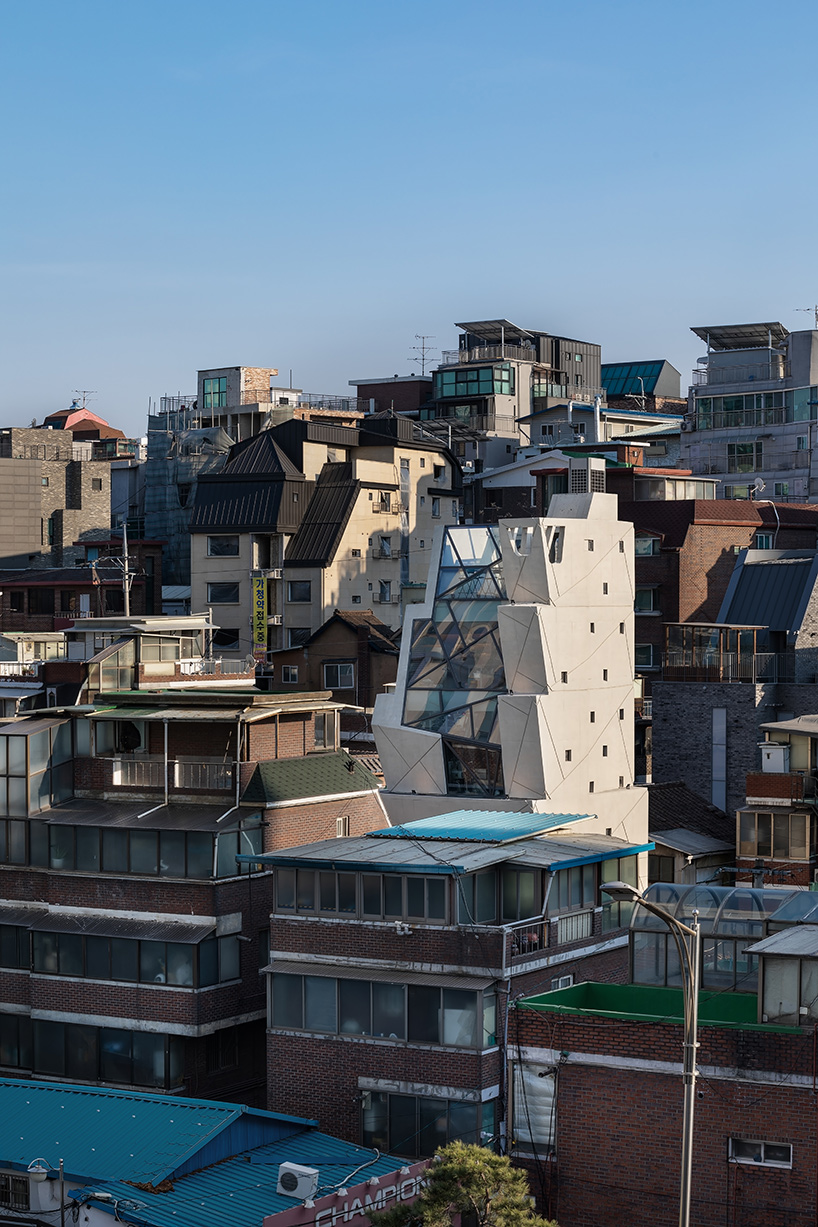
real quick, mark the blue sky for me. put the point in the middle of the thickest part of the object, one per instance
(190, 183)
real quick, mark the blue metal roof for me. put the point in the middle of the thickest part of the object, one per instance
(241, 1191)
(125, 1135)
(622, 378)
(478, 826)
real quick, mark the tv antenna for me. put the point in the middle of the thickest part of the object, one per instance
(423, 349)
(86, 392)
(812, 310)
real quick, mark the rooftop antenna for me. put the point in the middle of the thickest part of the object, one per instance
(423, 349)
(814, 310)
(85, 392)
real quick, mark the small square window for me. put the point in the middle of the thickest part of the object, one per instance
(567, 756)
(590, 786)
(96, 483)
(289, 674)
(593, 717)
(590, 546)
(356, 553)
(356, 600)
(604, 675)
(622, 713)
(563, 677)
(45, 481)
(299, 590)
(422, 544)
(222, 594)
(593, 628)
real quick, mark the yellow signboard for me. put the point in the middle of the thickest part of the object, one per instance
(259, 617)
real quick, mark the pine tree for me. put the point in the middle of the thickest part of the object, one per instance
(474, 1182)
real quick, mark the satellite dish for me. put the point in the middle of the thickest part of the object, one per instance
(759, 485)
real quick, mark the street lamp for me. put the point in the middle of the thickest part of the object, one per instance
(39, 1170)
(687, 939)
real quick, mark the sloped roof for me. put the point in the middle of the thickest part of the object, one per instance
(622, 378)
(300, 779)
(478, 826)
(260, 454)
(328, 511)
(120, 1135)
(380, 636)
(674, 805)
(238, 505)
(770, 588)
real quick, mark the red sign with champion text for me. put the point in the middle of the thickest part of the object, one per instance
(353, 1207)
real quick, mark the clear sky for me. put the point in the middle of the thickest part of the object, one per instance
(193, 183)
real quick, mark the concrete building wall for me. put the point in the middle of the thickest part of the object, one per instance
(21, 527)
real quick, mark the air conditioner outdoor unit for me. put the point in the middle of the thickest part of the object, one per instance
(468, 466)
(297, 1181)
(275, 620)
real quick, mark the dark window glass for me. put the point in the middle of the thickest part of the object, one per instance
(153, 963)
(172, 853)
(176, 1060)
(392, 895)
(180, 964)
(97, 958)
(424, 1012)
(12, 949)
(354, 1005)
(415, 897)
(17, 842)
(9, 1040)
(114, 850)
(88, 849)
(328, 900)
(433, 1123)
(463, 1123)
(38, 840)
(49, 1047)
(371, 886)
(287, 1010)
(305, 890)
(144, 852)
(208, 963)
(70, 954)
(403, 1124)
(436, 899)
(82, 1050)
(229, 964)
(124, 959)
(45, 952)
(115, 1055)
(389, 1010)
(199, 854)
(285, 888)
(346, 892)
(62, 847)
(148, 1059)
(320, 1004)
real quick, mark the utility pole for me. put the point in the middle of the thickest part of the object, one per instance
(813, 310)
(126, 578)
(423, 349)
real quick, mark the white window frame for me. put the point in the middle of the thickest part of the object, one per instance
(762, 1162)
(339, 665)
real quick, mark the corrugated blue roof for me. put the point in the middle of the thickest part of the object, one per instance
(622, 378)
(124, 1135)
(478, 826)
(241, 1191)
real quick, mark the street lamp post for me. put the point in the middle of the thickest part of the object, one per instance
(687, 938)
(38, 1170)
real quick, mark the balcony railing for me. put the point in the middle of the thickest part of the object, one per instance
(142, 772)
(379, 599)
(20, 668)
(749, 372)
(198, 666)
(147, 771)
(528, 938)
(202, 776)
(487, 353)
(574, 927)
(779, 787)
(729, 667)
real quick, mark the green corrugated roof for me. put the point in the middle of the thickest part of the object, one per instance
(316, 775)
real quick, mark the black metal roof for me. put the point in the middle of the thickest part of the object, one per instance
(260, 454)
(770, 588)
(269, 503)
(319, 534)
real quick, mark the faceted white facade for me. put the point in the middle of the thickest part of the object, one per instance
(515, 683)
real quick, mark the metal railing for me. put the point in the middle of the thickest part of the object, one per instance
(20, 668)
(574, 926)
(203, 776)
(772, 371)
(564, 391)
(729, 667)
(378, 599)
(142, 772)
(201, 665)
(488, 353)
(746, 417)
(528, 938)
(782, 463)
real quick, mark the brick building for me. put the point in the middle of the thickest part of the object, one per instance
(393, 956)
(139, 963)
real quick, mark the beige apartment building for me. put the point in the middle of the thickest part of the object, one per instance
(309, 517)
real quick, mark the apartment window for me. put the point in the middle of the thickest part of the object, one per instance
(604, 751)
(339, 676)
(436, 508)
(299, 590)
(746, 457)
(767, 1154)
(621, 547)
(222, 1050)
(324, 730)
(646, 600)
(422, 462)
(593, 628)
(289, 675)
(660, 868)
(41, 600)
(604, 675)
(385, 591)
(14, 1192)
(591, 786)
(590, 546)
(440, 470)
(643, 656)
(342, 826)
(226, 639)
(644, 545)
(781, 489)
(801, 443)
(622, 713)
(96, 483)
(416, 1126)
(16, 600)
(92, 1054)
(593, 717)
(777, 836)
(604, 589)
(573, 890)
(356, 600)
(763, 541)
(521, 893)
(616, 915)
(215, 392)
(222, 594)
(45, 481)
(564, 677)
(567, 756)
(356, 553)
(417, 1013)
(297, 636)
(422, 544)
(223, 547)
(375, 896)
(14, 946)
(385, 547)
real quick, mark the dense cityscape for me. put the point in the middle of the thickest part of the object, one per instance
(343, 735)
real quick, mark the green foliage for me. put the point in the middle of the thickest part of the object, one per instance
(474, 1182)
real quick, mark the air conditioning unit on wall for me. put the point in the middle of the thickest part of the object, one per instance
(297, 1181)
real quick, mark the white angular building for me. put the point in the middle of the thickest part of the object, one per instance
(515, 682)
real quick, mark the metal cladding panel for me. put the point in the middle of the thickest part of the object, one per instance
(326, 517)
(22, 916)
(479, 826)
(769, 593)
(799, 940)
(259, 456)
(91, 813)
(241, 505)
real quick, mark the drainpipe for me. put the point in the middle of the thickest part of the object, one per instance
(597, 420)
(162, 805)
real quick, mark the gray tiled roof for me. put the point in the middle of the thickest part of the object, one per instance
(315, 775)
